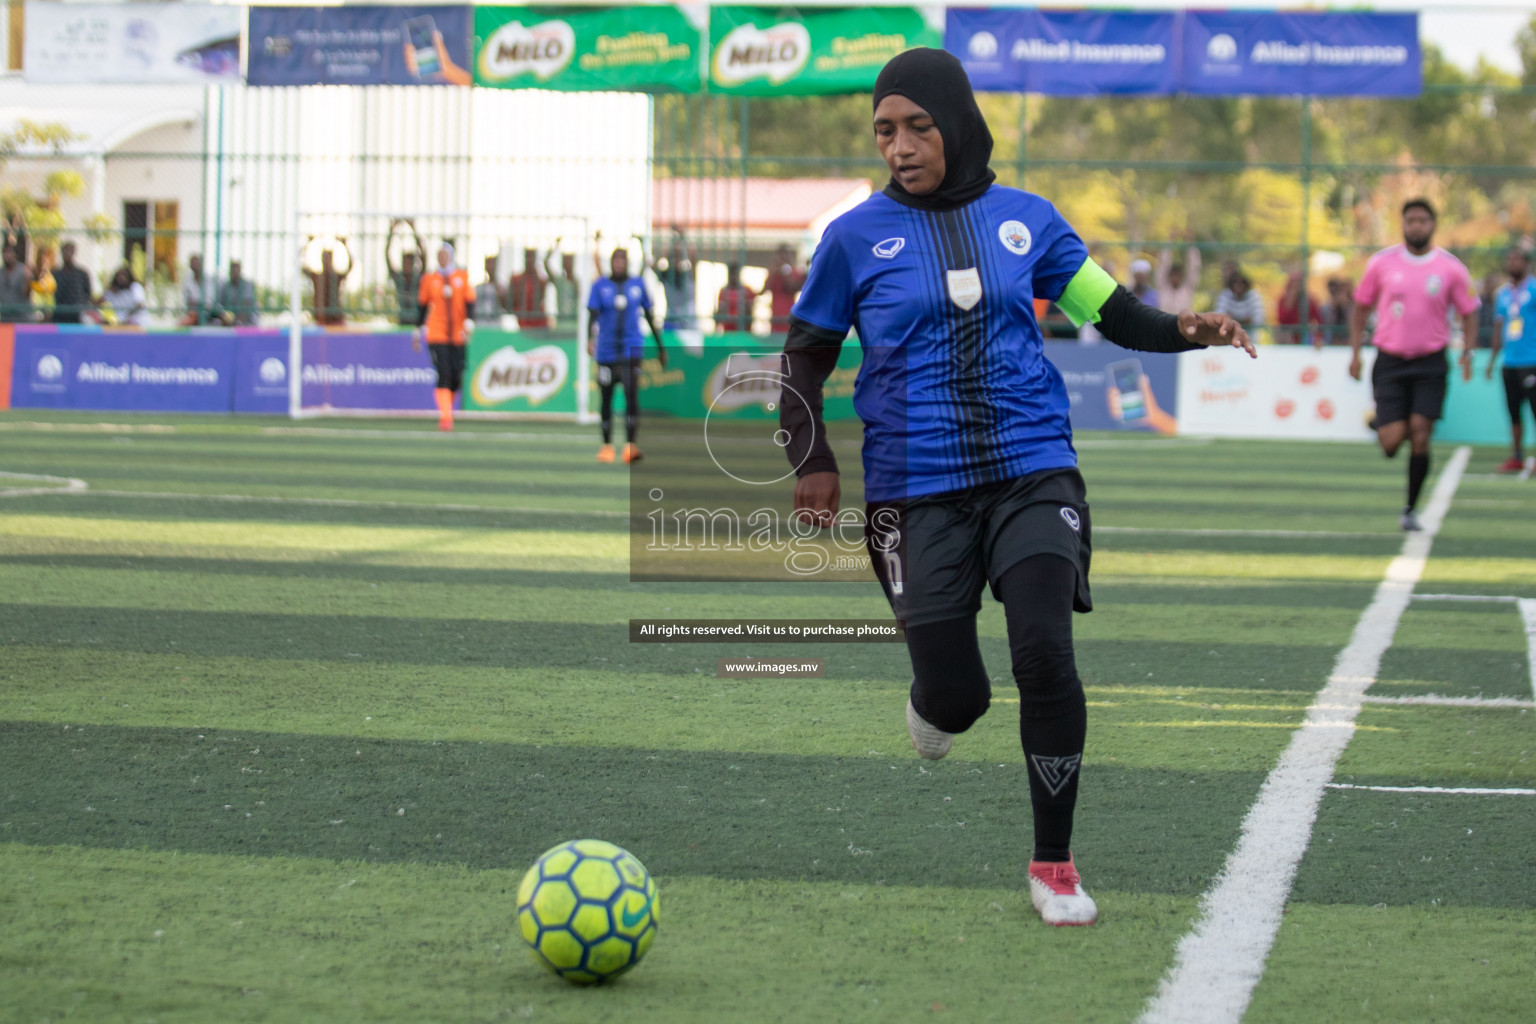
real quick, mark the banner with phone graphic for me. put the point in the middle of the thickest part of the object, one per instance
(1112, 389)
(787, 51)
(361, 45)
(633, 49)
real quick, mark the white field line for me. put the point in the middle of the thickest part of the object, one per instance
(1215, 532)
(1474, 598)
(58, 484)
(1528, 613)
(1219, 962)
(1458, 790)
(1437, 700)
(255, 499)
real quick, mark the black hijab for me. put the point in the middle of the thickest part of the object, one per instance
(937, 82)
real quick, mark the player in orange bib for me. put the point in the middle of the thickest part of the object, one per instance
(445, 297)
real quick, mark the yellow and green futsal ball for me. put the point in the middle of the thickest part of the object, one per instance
(588, 910)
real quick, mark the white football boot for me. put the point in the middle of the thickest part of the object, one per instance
(926, 740)
(1056, 889)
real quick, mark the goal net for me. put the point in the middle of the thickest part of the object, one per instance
(353, 312)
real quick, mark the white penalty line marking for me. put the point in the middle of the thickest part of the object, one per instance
(1450, 790)
(60, 485)
(1219, 962)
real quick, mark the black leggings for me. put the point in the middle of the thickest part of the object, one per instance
(951, 689)
(624, 374)
(448, 361)
(1519, 389)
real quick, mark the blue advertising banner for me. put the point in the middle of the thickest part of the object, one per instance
(1213, 53)
(359, 45)
(1112, 389)
(1301, 53)
(261, 372)
(365, 371)
(1065, 53)
(122, 371)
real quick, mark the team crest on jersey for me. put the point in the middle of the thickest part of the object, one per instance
(1432, 284)
(1015, 236)
(888, 249)
(965, 287)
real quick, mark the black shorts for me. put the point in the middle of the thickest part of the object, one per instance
(1409, 387)
(448, 361)
(623, 372)
(1519, 386)
(934, 554)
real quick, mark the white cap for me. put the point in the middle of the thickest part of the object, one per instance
(1141, 267)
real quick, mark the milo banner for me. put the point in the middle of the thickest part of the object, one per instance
(774, 51)
(635, 49)
(738, 377)
(522, 371)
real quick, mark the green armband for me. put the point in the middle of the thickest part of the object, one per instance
(1086, 293)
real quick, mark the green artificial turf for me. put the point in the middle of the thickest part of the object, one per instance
(282, 724)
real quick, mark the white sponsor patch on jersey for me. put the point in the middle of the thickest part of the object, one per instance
(965, 287)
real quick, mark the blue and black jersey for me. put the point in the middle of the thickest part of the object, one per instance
(616, 308)
(955, 389)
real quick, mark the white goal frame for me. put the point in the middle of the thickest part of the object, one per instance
(433, 225)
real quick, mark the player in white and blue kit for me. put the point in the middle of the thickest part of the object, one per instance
(616, 305)
(969, 471)
(1514, 333)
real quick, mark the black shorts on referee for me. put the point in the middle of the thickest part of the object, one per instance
(1409, 387)
(1519, 388)
(934, 554)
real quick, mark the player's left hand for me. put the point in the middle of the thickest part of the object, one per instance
(1466, 368)
(1215, 330)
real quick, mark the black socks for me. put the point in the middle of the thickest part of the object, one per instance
(1418, 471)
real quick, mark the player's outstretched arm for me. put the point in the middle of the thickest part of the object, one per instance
(1092, 296)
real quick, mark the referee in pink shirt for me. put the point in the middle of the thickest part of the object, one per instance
(1412, 288)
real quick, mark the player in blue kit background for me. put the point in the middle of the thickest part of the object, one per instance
(970, 474)
(617, 303)
(1514, 333)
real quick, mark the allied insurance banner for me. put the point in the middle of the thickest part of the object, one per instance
(775, 51)
(1301, 53)
(1065, 53)
(633, 49)
(142, 43)
(1227, 53)
(359, 45)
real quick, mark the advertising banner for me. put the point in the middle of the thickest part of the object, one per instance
(636, 49)
(737, 379)
(1289, 392)
(523, 371)
(121, 371)
(1065, 53)
(132, 42)
(365, 371)
(1301, 53)
(1113, 389)
(787, 51)
(359, 45)
(261, 372)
